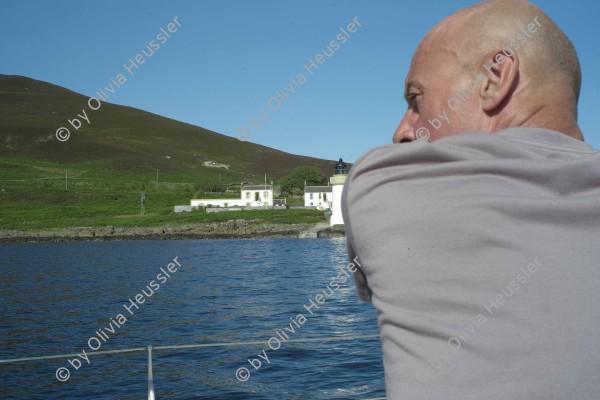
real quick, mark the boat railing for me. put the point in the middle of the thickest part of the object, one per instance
(150, 349)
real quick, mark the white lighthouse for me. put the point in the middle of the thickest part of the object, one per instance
(337, 182)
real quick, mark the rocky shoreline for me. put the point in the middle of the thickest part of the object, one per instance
(233, 229)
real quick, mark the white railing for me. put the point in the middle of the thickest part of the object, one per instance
(149, 349)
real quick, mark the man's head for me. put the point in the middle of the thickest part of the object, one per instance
(495, 65)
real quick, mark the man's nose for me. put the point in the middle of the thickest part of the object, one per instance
(405, 131)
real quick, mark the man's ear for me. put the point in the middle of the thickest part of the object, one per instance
(501, 73)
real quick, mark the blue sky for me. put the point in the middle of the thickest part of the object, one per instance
(228, 58)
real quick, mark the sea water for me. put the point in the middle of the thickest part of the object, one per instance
(80, 298)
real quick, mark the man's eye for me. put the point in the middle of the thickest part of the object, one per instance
(411, 98)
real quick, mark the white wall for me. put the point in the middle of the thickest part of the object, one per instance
(265, 198)
(336, 206)
(321, 200)
(217, 202)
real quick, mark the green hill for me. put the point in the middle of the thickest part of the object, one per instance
(125, 139)
(97, 175)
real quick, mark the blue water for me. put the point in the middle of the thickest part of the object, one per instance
(55, 296)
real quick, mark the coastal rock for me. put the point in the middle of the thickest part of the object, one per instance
(229, 229)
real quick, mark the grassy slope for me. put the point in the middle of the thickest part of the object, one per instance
(112, 160)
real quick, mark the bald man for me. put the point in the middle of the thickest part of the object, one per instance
(478, 231)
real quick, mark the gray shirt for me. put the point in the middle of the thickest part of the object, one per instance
(481, 254)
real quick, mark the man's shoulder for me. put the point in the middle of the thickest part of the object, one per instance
(513, 143)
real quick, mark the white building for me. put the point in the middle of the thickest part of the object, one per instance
(318, 196)
(337, 182)
(251, 196)
(329, 197)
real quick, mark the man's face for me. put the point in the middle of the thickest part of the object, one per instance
(442, 97)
